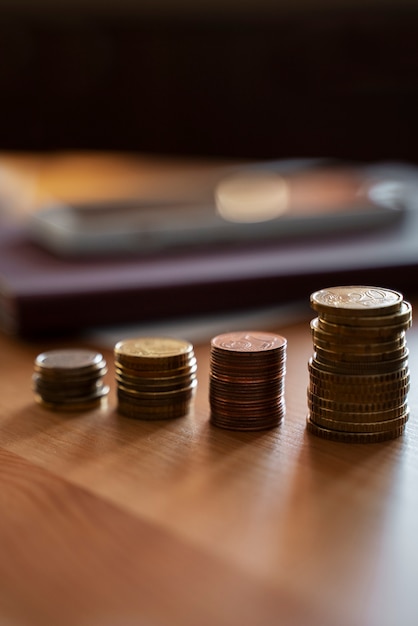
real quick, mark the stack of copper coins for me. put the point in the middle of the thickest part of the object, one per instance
(247, 380)
(70, 379)
(156, 377)
(359, 374)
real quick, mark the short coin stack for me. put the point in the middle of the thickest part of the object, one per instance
(247, 378)
(69, 379)
(156, 377)
(359, 374)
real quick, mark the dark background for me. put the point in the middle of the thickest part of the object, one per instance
(267, 81)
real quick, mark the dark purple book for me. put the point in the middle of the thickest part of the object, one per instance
(41, 293)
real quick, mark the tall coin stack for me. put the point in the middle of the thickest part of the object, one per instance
(156, 377)
(69, 379)
(246, 380)
(359, 374)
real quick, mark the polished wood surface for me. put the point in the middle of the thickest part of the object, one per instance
(111, 521)
(108, 520)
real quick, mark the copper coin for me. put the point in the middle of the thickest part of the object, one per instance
(248, 342)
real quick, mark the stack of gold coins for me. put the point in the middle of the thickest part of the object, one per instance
(359, 374)
(70, 379)
(246, 380)
(156, 377)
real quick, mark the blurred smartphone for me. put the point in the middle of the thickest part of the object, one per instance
(249, 206)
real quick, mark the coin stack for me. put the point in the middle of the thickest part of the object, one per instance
(246, 380)
(359, 374)
(69, 379)
(156, 377)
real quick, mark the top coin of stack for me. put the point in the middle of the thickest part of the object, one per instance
(359, 374)
(246, 385)
(69, 379)
(156, 377)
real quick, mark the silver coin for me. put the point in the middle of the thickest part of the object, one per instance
(358, 299)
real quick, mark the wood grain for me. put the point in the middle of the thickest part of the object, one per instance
(107, 518)
(69, 557)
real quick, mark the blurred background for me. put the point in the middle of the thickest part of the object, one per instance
(235, 78)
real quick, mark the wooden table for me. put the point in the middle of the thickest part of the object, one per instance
(110, 521)
(107, 520)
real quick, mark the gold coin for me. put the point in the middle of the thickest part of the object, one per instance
(153, 353)
(156, 386)
(157, 394)
(325, 331)
(155, 376)
(343, 331)
(153, 347)
(347, 356)
(364, 367)
(360, 415)
(345, 437)
(363, 394)
(156, 371)
(340, 406)
(358, 374)
(143, 412)
(365, 348)
(329, 373)
(359, 427)
(375, 383)
(401, 318)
